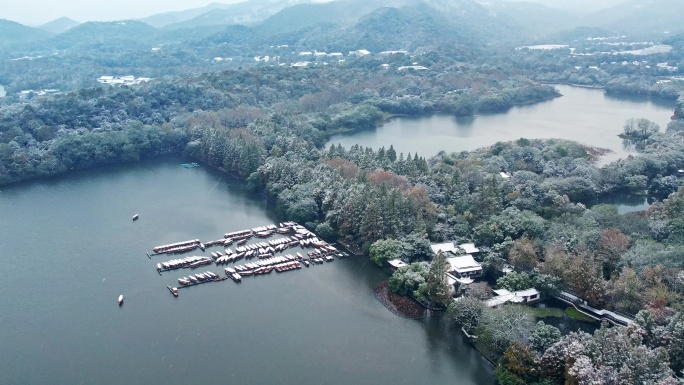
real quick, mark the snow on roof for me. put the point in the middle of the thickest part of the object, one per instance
(527, 293)
(450, 247)
(464, 263)
(499, 300)
(360, 52)
(469, 248)
(443, 247)
(397, 263)
(501, 292)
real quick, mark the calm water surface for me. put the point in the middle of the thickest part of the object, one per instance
(581, 114)
(68, 248)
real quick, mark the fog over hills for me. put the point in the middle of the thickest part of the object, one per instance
(14, 33)
(250, 11)
(59, 25)
(463, 26)
(647, 17)
(578, 6)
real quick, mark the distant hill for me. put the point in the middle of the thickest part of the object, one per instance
(578, 33)
(234, 35)
(537, 19)
(414, 28)
(579, 6)
(13, 33)
(58, 26)
(161, 20)
(127, 33)
(247, 12)
(341, 13)
(640, 17)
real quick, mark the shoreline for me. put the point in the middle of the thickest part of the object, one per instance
(399, 305)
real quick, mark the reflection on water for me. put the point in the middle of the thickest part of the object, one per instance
(656, 101)
(625, 203)
(566, 324)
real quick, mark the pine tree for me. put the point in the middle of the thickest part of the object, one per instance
(438, 291)
(391, 154)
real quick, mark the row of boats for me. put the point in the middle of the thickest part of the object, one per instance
(264, 251)
(207, 276)
(240, 237)
(187, 262)
(179, 247)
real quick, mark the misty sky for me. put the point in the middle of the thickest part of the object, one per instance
(35, 12)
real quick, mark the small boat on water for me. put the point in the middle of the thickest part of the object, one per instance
(135, 217)
(173, 290)
(242, 241)
(120, 300)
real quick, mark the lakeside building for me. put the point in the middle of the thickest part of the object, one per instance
(396, 264)
(463, 268)
(528, 297)
(455, 250)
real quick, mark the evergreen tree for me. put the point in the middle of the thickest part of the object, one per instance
(438, 291)
(391, 154)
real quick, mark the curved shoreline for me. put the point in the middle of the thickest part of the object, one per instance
(399, 305)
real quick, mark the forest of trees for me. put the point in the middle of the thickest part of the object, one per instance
(45, 136)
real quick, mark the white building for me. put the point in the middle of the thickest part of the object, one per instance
(359, 52)
(417, 68)
(456, 250)
(300, 64)
(464, 266)
(503, 296)
(396, 263)
(121, 80)
(401, 51)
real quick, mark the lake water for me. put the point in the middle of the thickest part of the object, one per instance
(68, 248)
(582, 114)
